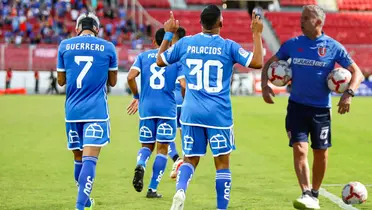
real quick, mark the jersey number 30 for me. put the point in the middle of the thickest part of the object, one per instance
(202, 77)
(88, 64)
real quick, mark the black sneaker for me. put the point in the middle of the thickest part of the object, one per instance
(152, 194)
(139, 172)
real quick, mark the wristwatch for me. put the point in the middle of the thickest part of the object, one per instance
(350, 92)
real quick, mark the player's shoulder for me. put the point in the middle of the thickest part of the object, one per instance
(331, 41)
(295, 40)
(148, 52)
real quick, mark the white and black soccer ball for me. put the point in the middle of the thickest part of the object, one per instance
(354, 193)
(338, 80)
(279, 73)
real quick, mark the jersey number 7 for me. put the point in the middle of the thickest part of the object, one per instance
(88, 65)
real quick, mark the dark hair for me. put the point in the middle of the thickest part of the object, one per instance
(181, 32)
(159, 35)
(209, 16)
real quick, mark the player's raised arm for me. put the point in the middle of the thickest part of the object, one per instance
(135, 70)
(61, 72)
(257, 27)
(170, 26)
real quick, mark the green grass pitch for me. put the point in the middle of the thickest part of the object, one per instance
(36, 169)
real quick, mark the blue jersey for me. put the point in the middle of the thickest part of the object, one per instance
(179, 98)
(157, 98)
(312, 60)
(86, 60)
(207, 64)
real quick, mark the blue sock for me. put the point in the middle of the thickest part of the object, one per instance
(158, 170)
(143, 156)
(78, 165)
(184, 176)
(172, 151)
(223, 188)
(86, 180)
(77, 169)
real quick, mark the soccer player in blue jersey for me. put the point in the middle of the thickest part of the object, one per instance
(313, 55)
(206, 116)
(86, 64)
(157, 112)
(172, 150)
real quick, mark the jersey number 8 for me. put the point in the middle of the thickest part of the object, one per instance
(202, 77)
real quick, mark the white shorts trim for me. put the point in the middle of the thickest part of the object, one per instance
(195, 155)
(158, 117)
(147, 142)
(95, 145)
(75, 148)
(224, 153)
(206, 126)
(158, 140)
(88, 120)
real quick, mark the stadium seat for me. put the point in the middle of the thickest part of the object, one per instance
(201, 2)
(155, 3)
(296, 3)
(363, 5)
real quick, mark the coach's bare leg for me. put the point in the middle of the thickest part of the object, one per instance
(151, 146)
(78, 155)
(319, 167)
(301, 164)
(222, 162)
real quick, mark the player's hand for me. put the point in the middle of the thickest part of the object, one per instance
(171, 25)
(344, 104)
(256, 24)
(133, 107)
(267, 92)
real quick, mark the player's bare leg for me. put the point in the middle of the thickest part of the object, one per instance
(301, 165)
(158, 169)
(184, 177)
(87, 175)
(177, 163)
(223, 180)
(139, 171)
(319, 169)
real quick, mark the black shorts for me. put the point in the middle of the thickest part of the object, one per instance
(302, 120)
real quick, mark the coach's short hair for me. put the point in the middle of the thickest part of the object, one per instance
(181, 32)
(319, 12)
(159, 35)
(209, 16)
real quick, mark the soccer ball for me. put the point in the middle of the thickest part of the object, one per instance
(354, 193)
(338, 80)
(279, 73)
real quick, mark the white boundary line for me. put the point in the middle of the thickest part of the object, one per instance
(341, 185)
(336, 200)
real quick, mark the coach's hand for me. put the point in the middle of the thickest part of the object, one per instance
(344, 104)
(267, 92)
(133, 107)
(171, 25)
(256, 24)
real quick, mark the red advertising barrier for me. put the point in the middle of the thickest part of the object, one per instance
(44, 57)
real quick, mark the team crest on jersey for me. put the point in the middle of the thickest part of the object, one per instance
(243, 52)
(322, 50)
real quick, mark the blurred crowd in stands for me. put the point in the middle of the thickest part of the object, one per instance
(51, 21)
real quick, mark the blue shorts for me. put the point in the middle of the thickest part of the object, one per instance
(195, 140)
(161, 130)
(179, 116)
(302, 120)
(81, 134)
